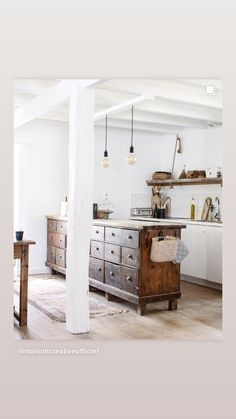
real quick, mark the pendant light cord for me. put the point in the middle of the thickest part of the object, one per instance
(132, 125)
(106, 136)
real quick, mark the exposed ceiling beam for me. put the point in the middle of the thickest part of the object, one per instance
(48, 100)
(167, 89)
(158, 128)
(169, 107)
(156, 118)
(217, 83)
(120, 123)
(56, 116)
(34, 86)
(139, 116)
(121, 106)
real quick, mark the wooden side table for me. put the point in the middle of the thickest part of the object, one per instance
(21, 251)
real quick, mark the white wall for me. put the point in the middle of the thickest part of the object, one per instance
(201, 149)
(43, 180)
(121, 179)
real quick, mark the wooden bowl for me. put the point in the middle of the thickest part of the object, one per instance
(161, 176)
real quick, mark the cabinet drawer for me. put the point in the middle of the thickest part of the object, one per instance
(112, 274)
(57, 240)
(96, 269)
(130, 238)
(51, 255)
(61, 227)
(98, 233)
(112, 253)
(61, 257)
(129, 279)
(113, 235)
(97, 249)
(130, 257)
(52, 226)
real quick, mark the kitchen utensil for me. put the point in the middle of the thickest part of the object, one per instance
(156, 197)
(166, 205)
(206, 208)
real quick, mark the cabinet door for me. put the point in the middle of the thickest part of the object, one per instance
(195, 264)
(214, 254)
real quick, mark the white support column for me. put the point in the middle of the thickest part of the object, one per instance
(81, 154)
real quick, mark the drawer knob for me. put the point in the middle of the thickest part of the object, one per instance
(130, 256)
(113, 234)
(112, 274)
(97, 232)
(112, 252)
(97, 248)
(130, 237)
(99, 269)
(129, 278)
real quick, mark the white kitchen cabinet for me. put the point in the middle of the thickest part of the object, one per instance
(214, 254)
(205, 252)
(195, 264)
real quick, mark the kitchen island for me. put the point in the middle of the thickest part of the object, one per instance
(120, 262)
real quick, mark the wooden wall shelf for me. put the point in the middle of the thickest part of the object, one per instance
(185, 182)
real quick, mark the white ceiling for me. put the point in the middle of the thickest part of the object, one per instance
(171, 104)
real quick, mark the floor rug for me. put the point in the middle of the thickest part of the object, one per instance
(48, 295)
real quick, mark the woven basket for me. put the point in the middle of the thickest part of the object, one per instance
(163, 250)
(161, 175)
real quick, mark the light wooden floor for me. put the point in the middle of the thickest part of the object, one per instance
(199, 317)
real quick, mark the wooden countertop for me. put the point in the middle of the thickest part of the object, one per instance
(129, 224)
(56, 217)
(24, 242)
(137, 224)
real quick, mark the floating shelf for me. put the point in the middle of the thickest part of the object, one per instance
(186, 182)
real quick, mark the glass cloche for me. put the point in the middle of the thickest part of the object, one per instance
(105, 208)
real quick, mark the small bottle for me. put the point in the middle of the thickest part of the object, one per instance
(155, 212)
(193, 206)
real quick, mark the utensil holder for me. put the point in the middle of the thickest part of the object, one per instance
(161, 212)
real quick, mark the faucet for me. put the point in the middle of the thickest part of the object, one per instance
(217, 215)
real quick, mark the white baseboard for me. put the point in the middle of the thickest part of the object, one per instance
(38, 271)
(32, 271)
(200, 281)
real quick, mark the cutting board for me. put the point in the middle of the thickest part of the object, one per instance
(206, 209)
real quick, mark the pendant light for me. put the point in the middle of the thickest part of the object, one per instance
(105, 161)
(131, 159)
